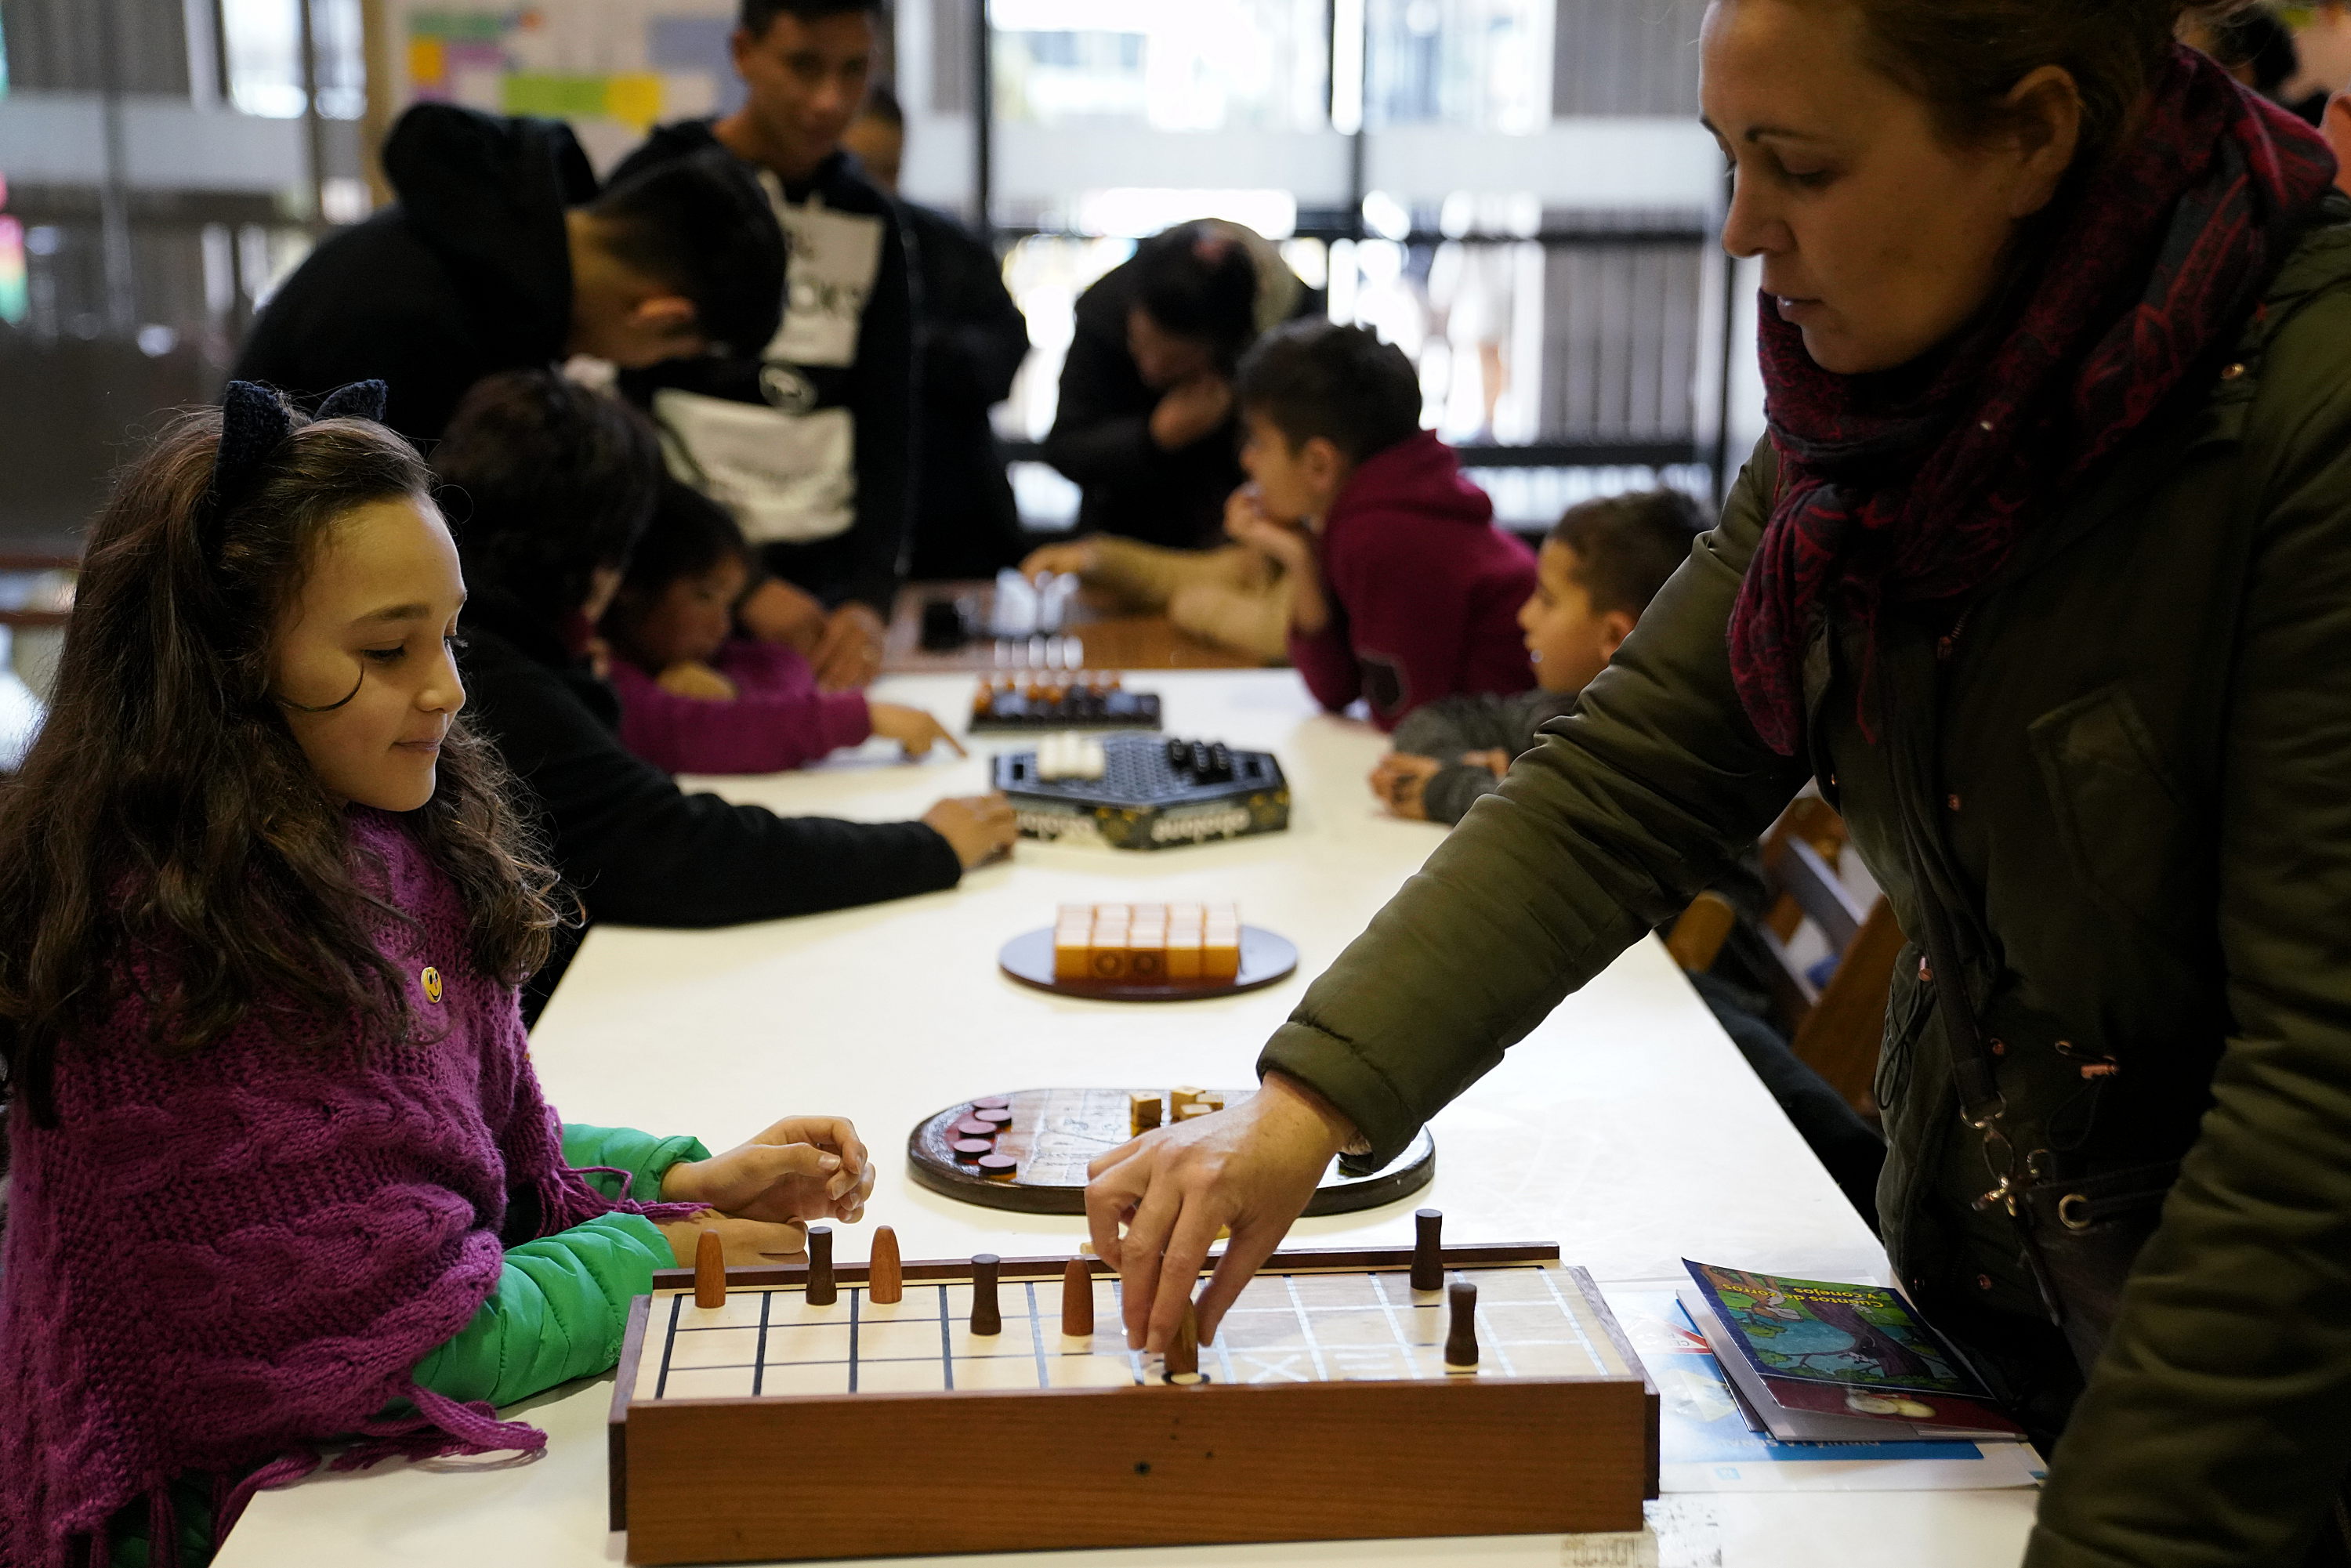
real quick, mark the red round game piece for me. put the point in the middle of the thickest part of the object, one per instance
(973, 1127)
(991, 1102)
(970, 1149)
(998, 1167)
(996, 1116)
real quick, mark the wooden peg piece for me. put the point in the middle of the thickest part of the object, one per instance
(1461, 1335)
(1142, 1111)
(986, 1317)
(1184, 1350)
(884, 1278)
(1428, 1250)
(710, 1271)
(1078, 1299)
(822, 1289)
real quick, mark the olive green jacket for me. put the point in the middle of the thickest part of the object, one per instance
(2141, 790)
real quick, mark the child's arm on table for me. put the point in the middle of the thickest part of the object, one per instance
(1319, 646)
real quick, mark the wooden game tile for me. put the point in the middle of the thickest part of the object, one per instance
(1016, 1340)
(786, 1307)
(741, 1311)
(808, 1342)
(900, 1376)
(809, 1378)
(714, 1348)
(919, 1304)
(900, 1341)
(1089, 1372)
(1049, 1297)
(709, 1383)
(996, 1371)
(1424, 1325)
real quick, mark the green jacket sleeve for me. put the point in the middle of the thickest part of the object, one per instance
(2211, 1429)
(1624, 809)
(645, 1158)
(557, 1313)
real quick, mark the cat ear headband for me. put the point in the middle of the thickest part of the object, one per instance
(255, 423)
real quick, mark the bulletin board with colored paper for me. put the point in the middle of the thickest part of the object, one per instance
(613, 68)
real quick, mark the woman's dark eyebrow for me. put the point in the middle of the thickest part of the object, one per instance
(1758, 133)
(415, 610)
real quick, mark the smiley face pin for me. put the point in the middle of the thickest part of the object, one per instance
(431, 979)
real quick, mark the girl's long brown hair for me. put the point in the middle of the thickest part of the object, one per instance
(166, 823)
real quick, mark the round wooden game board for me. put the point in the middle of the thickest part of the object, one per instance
(1265, 959)
(1054, 1131)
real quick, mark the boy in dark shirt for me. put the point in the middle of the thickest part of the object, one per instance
(501, 255)
(807, 437)
(1600, 566)
(1403, 591)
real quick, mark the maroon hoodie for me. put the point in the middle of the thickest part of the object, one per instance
(1425, 591)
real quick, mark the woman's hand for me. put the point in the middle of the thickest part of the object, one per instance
(1077, 558)
(803, 1168)
(1400, 780)
(911, 727)
(1250, 1166)
(848, 656)
(692, 678)
(748, 1242)
(978, 828)
(776, 611)
(1190, 410)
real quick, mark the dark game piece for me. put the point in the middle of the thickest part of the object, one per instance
(997, 1116)
(1078, 1299)
(992, 1103)
(1428, 1250)
(973, 1127)
(822, 1290)
(1184, 1350)
(986, 1317)
(710, 1271)
(998, 1167)
(970, 1151)
(1461, 1337)
(884, 1274)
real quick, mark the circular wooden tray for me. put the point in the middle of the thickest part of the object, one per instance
(1265, 959)
(1054, 1131)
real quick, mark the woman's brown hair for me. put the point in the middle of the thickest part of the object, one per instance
(166, 837)
(1963, 56)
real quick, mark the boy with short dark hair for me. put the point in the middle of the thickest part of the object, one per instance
(502, 255)
(1600, 566)
(1404, 590)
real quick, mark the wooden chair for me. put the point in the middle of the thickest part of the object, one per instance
(1833, 1028)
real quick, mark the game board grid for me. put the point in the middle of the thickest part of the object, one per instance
(1323, 1321)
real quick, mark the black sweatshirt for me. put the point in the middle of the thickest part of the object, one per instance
(467, 274)
(824, 488)
(1102, 437)
(636, 848)
(970, 339)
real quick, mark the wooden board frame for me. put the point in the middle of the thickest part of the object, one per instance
(716, 1480)
(1267, 958)
(932, 1165)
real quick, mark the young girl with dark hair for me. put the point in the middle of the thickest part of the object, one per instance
(282, 1174)
(694, 697)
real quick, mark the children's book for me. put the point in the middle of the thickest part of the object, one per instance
(1823, 1362)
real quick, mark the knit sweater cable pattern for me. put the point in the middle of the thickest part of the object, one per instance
(216, 1262)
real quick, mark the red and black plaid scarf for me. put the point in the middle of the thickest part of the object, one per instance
(1923, 495)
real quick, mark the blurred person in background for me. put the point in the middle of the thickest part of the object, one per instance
(969, 341)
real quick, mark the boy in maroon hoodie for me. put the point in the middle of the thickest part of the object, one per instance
(1405, 591)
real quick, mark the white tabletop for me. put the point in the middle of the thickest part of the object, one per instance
(1625, 1128)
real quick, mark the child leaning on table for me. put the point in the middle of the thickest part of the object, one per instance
(1600, 566)
(1402, 589)
(695, 698)
(282, 1174)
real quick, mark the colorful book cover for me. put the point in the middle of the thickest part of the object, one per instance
(1815, 1331)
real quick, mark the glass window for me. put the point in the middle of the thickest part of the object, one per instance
(1206, 65)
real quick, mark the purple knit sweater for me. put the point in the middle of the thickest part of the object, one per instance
(780, 719)
(217, 1262)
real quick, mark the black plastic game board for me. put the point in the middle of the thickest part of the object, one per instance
(1077, 707)
(1154, 794)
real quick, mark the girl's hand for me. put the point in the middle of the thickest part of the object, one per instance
(803, 1168)
(748, 1242)
(1078, 559)
(978, 828)
(776, 611)
(911, 727)
(848, 656)
(692, 678)
(1400, 780)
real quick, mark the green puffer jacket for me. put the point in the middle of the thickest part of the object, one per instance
(2131, 759)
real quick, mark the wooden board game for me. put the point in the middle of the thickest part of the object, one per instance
(1035, 1162)
(1060, 699)
(1153, 795)
(769, 1427)
(1266, 958)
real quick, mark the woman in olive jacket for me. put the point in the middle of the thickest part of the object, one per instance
(2045, 572)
